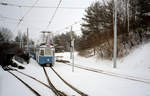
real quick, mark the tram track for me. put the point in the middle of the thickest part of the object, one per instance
(27, 85)
(59, 92)
(71, 86)
(51, 87)
(133, 78)
(56, 91)
(34, 79)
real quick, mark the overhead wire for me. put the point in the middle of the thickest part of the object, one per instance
(16, 5)
(67, 27)
(28, 11)
(54, 14)
(15, 19)
(20, 20)
(5, 17)
(58, 6)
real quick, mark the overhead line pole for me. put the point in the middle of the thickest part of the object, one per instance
(115, 34)
(72, 49)
(20, 42)
(27, 40)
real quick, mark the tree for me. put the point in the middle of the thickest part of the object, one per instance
(98, 21)
(1, 37)
(6, 34)
(22, 38)
(143, 13)
(18, 37)
(133, 19)
(63, 41)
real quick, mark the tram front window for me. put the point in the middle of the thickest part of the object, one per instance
(48, 52)
(42, 52)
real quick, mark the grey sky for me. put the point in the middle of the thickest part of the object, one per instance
(37, 19)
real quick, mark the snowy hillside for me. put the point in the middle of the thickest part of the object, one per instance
(137, 61)
(137, 64)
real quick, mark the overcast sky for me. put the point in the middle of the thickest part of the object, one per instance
(38, 18)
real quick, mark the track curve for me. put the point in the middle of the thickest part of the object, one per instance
(71, 86)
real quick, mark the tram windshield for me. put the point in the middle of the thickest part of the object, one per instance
(48, 52)
(42, 52)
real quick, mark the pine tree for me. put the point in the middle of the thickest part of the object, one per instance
(1, 37)
(143, 10)
(98, 18)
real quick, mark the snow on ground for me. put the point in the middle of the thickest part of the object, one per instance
(137, 63)
(9, 86)
(94, 84)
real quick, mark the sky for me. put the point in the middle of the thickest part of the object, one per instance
(37, 19)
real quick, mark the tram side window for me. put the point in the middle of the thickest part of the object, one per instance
(42, 52)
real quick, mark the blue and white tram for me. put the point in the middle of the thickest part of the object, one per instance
(45, 55)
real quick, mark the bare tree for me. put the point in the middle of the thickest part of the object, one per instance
(6, 34)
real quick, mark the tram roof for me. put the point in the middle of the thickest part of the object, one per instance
(44, 46)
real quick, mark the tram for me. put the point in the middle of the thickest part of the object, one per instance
(45, 55)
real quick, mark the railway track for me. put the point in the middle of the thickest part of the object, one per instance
(133, 78)
(33, 90)
(56, 91)
(52, 88)
(71, 86)
(34, 79)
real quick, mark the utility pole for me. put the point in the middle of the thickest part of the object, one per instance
(72, 49)
(20, 41)
(27, 41)
(115, 34)
(71, 43)
(128, 12)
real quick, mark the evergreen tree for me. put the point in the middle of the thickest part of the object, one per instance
(63, 41)
(132, 17)
(1, 37)
(18, 37)
(98, 18)
(143, 13)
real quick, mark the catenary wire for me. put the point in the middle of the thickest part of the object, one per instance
(16, 5)
(54, 14)
(20, 20)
